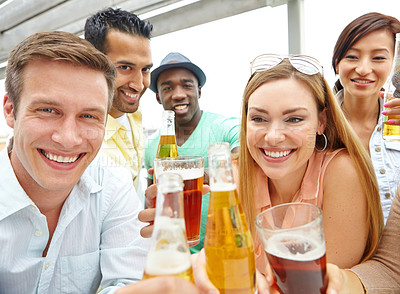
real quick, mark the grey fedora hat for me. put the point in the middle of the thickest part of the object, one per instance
(176, 60)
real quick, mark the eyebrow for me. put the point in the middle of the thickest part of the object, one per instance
(182, 80)
(287, 111)
(131, 63)
(375, 50)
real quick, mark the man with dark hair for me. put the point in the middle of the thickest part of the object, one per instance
(125, 39)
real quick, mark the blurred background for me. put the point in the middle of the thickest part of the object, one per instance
(225, 47)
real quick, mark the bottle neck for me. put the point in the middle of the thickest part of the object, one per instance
(168, 124)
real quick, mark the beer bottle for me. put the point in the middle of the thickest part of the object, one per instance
(392, 89)
(169, 253)
(167, 146)
(228, 244)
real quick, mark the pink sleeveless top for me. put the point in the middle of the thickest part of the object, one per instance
(311, 191)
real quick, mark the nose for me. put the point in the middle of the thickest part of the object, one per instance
(67, 133)
(363, 67)
(275, 135)
(178, 93)
(137, 81)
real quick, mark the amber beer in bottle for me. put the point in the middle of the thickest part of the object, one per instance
(392, 89)
(228, 244)
(167, 146)
(169, 253)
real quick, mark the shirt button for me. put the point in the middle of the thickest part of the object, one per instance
(387, 195)
(46, 266)
(33, 208)
(38, 233)
(379, 129)
(382, 171)
(378, 148)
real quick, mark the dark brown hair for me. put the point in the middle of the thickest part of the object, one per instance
(356, 30)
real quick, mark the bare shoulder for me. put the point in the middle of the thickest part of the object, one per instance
(342, 180)
(341, 167)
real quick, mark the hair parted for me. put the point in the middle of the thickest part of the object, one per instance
(55, 46)
(339, 134)
(97, 26)
(356, 30)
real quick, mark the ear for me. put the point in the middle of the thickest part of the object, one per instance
(199, 92)
(322, 120)
(158, 98)
(8, 109)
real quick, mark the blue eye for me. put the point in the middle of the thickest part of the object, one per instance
(47, 110)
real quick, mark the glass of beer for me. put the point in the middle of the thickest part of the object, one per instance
(191, 169)
(292, 235)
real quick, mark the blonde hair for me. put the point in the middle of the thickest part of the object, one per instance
(339, 135)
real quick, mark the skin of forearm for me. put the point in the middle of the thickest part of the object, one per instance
(351, 283)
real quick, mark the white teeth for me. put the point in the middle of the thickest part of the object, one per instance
(277, 154)
(362, 81)
(180, 107)
(131, 95)
(59, 158)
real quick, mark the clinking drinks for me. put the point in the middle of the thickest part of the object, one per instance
(230, 260)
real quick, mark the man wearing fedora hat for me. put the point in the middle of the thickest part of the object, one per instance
(177, 83)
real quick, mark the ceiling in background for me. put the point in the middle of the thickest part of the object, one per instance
(21, 18)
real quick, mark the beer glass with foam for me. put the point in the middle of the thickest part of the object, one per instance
(169, 253)
(191, 169)
(293, 239)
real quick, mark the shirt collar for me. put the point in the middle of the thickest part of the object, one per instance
(13, 198)
(113, 125)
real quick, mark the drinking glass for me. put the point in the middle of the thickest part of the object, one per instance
(191, 169)
(293, 238)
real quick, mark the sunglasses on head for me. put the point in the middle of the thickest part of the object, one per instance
(303, 63)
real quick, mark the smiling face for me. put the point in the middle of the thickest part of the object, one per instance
(179, 91)
(59, 125)
(366, 66)
(282, 123)
(131, 55)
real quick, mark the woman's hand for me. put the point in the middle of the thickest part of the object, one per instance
(392, 108)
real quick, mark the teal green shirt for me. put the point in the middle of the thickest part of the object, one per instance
(212, 128)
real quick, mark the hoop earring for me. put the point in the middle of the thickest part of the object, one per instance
(325, 145)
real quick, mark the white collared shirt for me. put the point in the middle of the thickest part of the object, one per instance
(97, 239)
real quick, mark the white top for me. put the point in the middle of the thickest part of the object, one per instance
(97, 239)
(385, 156)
